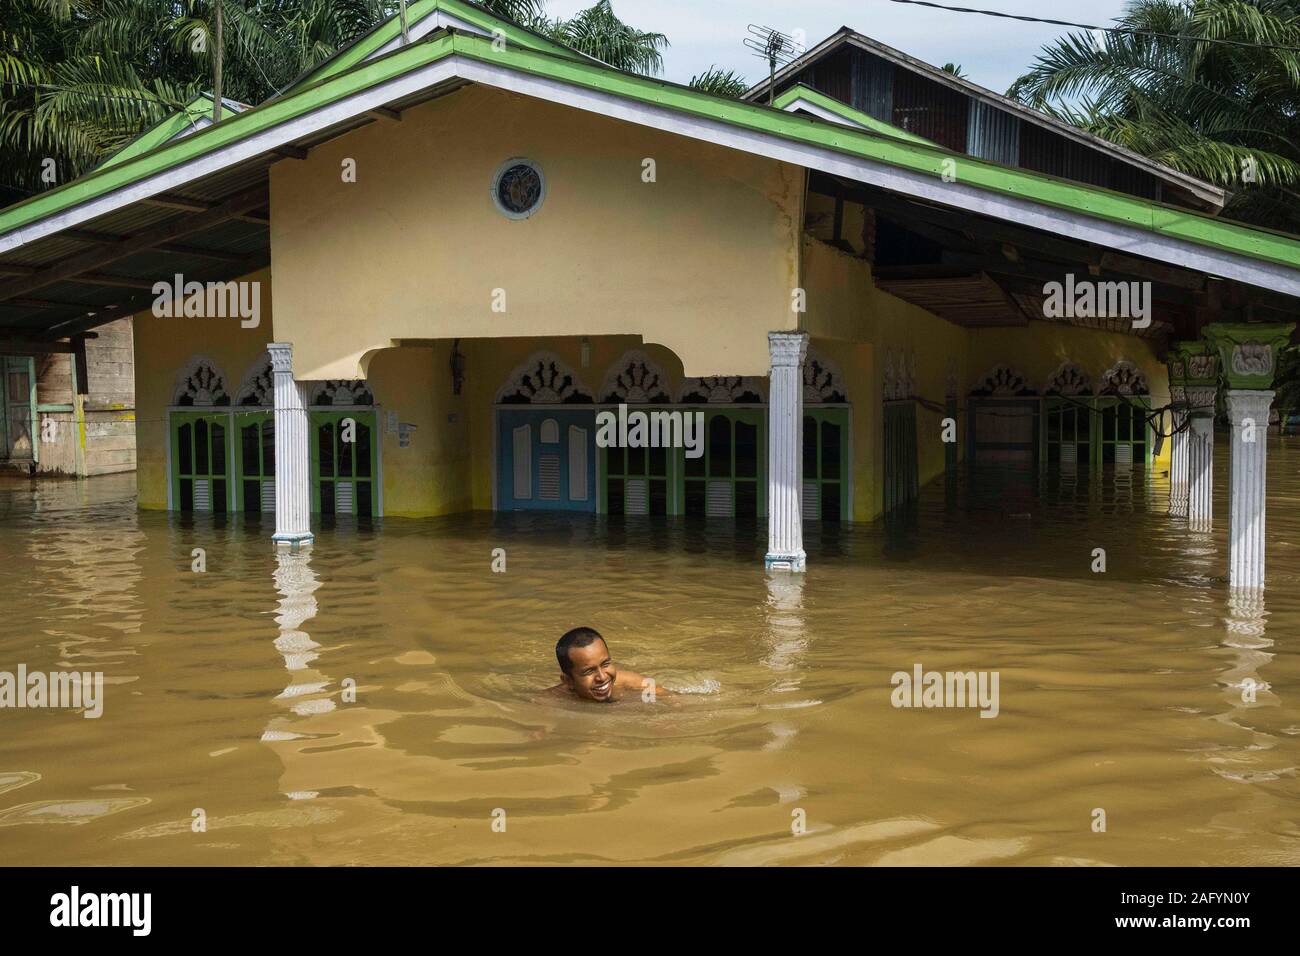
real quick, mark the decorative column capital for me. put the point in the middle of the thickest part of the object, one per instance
(1252, 403)
(1201, 363)
(281, 356)
(1200, 399)
(1177, 394)
(1176, 363)
(787, 349)
(1249, 351)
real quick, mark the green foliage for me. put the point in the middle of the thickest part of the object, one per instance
(597, 32)
(79, 79)
(720, 82)
(1224, 113)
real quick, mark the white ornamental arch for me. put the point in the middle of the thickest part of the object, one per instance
(1068, 379)
(1124, 378)
(635, 379)
(544, 379)
(258, 387)
(200, 383)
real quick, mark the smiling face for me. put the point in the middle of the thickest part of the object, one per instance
(591, 672)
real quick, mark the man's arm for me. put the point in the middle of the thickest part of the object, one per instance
(631, 680)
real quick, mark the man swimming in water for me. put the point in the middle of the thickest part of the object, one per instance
(588, 672)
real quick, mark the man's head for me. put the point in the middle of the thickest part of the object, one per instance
(585, 665)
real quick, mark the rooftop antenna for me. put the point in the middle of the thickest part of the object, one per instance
(216, 68)
(775, 47)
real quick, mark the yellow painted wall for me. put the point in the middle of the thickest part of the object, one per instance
(163, 348)
(703, 260)
(431, 476)
(845, 305)
(1038, 349)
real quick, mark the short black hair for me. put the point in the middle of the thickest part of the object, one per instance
(578, 637)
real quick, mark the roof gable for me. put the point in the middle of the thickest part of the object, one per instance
(1204, 194)
(801, 98)
(322, 110)
(196, 115)
(424, 18)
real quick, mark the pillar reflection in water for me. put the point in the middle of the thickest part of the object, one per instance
(1245, 633)
(787, 642)
(296, 583)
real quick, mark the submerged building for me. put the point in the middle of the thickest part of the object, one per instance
(408, 284)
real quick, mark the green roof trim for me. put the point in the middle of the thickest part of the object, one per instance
(832, 105)
(917, 157)
(164, 131)
(391, 29)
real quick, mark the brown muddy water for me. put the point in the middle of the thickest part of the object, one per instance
(227, 692)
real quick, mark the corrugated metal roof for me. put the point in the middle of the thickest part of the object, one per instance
(1188, 189)
(993, 134)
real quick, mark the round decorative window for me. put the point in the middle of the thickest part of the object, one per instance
(518, 188)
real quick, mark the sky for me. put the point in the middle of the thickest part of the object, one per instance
(992, 52)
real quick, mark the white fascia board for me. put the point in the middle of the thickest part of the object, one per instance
(437, 20)
(911, 183)
(803, 105)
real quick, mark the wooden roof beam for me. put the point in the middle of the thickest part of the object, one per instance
(175, 248)
(102, 255)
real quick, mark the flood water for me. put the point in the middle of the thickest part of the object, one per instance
(375, 700)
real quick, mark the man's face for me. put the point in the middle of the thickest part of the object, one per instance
(591, 672)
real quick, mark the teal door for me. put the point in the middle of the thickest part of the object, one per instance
(546, 459)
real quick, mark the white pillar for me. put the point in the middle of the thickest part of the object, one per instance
(1200, 458)
(292, 462)
(1248, 411)
(785, 451)
(1178, 454)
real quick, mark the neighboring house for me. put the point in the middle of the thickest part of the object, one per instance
(68, 408)
(449, 256)
(950, 111)
(67, 400)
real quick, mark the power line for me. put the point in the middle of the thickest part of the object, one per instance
(1094, 28)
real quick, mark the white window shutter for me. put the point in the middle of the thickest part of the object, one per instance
(637, 497)
(523, 462)
(577, 463)
(811, 499)
(548, 477)
(718, 504)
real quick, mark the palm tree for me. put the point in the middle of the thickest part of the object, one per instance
(81, 78)
(956, 70)
(597, 32)
(1227, 113)
(720, 82)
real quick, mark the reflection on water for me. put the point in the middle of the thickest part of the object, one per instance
(373, 699)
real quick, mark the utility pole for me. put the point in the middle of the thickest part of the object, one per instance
(216, 69)
(406, 34)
